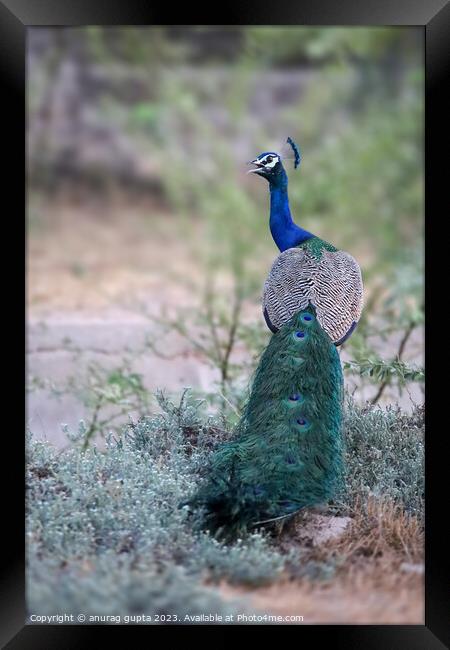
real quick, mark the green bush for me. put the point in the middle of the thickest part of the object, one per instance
(385, 455)
(114, 587)
(105, 532)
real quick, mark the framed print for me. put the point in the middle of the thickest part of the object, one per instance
(225, 321)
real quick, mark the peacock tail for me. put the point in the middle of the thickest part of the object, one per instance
(287, 452)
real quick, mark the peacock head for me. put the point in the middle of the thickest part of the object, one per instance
(269, 164)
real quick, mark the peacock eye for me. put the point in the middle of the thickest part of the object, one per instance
(269, 159)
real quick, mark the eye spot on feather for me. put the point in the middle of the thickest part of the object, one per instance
(301, 423)
(294, 400)
(307, 319)
(299, 336)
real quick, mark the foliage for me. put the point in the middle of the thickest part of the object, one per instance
(381, 370)
(105, 534)
(121, 505)
(385, 455)
(396, 311)
(119, 388)
(112, 587)
(109, 395)
(217, 331)
(250, 562)
(288, 46)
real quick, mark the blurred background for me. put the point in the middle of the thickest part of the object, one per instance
(148, 245)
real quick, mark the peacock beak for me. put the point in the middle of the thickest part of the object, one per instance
(258, 166)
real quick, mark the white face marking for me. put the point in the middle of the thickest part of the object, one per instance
(269, 161)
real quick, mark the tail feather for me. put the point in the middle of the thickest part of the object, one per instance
(287, 451)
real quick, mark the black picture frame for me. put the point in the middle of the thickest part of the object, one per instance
(434, 17)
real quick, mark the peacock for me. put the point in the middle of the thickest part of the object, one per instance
(287, 450)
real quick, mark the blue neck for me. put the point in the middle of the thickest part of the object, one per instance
(285, 232)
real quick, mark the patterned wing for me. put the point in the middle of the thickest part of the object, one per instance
(289, 286)
(332, 283)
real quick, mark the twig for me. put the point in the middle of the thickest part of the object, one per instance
(401, 349)
(231, 338)
(92, 427)
(233, 408)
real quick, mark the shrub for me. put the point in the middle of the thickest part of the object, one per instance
(103, 526)
(112, 586)
(106, 534)
(385, 455)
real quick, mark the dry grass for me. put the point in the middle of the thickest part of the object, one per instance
(377, 579)
(382, 530)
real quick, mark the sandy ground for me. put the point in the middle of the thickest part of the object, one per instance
(363, 600)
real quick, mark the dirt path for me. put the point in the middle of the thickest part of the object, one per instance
(365, 599)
